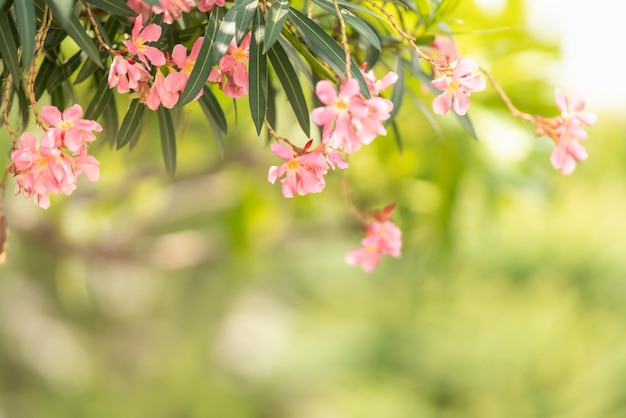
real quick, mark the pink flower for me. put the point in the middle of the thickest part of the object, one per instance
(336, 116)
(207, 5)
(376, 86)
(232, 75)
(160, 95)
(68, 129)
(369, 126)
(565, 155)
(173, 9)
(572, 115)
(176, 81)
(348, 118)
(42, 171)
(140, 7)
(382, 237)
(137, 45)
(445, 52)
(127, 75)
(458, 85)
(304, 172)
(566, 130)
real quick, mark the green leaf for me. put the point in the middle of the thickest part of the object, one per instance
(76, 31)
(153, 2)
(27, 24)
(168, 140)
(131, 123)
(326, 48)
(354, 22)
(8, 48)
(62, 9)
(257, 75)
(397, 94)
(291, 85)
(115, 7)
(217, 37)
(212, 107)
(110, 122)
(275, 22)
(205, 60)
(100, 99)
(214, 126)
(64, 71)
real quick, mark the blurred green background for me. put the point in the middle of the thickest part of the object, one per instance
(213, 296)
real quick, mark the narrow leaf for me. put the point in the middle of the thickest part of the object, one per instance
(205, 60)
(131, 122)
(115, 7)
(354, 22)
(257, 75)
(8, 49)
(75, 30)
(291, 85)
(325, 47)
(100, 100)
(212, 107)
(64, 71)
(27, 24)
(397, 94)
(168, 140)
(275, 22)
(153, 2)
(62, 8)
(216, 40)
(215, 127)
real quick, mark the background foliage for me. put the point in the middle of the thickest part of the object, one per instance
(211, 295)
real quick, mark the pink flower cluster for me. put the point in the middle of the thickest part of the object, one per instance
(54, 166)
(232, 73)
(172, 9)
(458, 78)
(349, 119)
(132, 73)
(303, 169)
(382, 237)
(566, 131)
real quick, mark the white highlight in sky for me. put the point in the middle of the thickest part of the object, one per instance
(590, 35)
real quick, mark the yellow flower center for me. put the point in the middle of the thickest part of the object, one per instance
(293, 165)
(65, 124)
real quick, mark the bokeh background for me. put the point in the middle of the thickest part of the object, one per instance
(211, 295)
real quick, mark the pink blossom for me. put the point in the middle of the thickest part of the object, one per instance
(566, 130)
(382, 237)
(572, 115)
(207, 5)
(349, 119)
(565, 155)
(173, 9)
(140, 7)
(445, 52)
(304, 172)
(369, 126)
(458, 85)
(376, 86)
(127, 75)
(232, 75)
(68, 129)
(137, 45)
(177, 80)
(336, 116)
(42, 171)
(160, 95)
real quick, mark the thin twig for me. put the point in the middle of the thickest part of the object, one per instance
(96, 29)
(507, 101)
(344, 38)
(46, 21)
